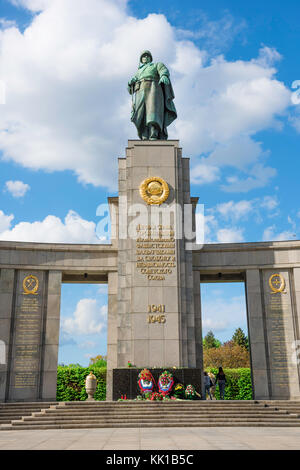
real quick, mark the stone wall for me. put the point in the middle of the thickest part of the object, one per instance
(30, 288)
(273, 314)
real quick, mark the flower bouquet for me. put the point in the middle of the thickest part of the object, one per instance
(165, 383)
(145, 381)
(190, 393)
(179, 391)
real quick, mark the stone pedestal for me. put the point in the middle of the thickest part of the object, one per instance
(125, 381)
(155, 314)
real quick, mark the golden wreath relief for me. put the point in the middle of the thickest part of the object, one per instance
(30, 285)
(154, 190)
(277, 283)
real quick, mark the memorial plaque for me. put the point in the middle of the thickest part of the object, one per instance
(280, 333)
(25, 375)
(155, 251)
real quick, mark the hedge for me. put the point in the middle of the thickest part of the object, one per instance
(238, 384)
(71, 383)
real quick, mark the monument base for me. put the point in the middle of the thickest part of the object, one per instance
(125, 381)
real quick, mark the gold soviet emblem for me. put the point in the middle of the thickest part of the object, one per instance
(30, 284)
(276, 283)
(154, 190)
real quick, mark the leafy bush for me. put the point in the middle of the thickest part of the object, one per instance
(98, 361)
(229, 355)
(238, 386)
(71, 383)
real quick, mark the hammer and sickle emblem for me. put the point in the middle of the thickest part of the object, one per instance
(277, 284)
(154, 190)
(30, 284)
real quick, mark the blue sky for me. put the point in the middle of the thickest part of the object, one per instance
(65, 120)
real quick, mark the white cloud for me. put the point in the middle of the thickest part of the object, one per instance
(228, 100)
(213, 324)
(215, 35)
(295, 121)
(230, 235)
(88, 319)
(32, 5)
(68, 108)
(238, 152)
(220, 221)
(87, 345)
(210, 224)
(213, 233)
(267, 56)
(103, 289)
(52, 229)
(235, 210)
(17, 188)
(203, 173)
(223, 312)
(5, 221)
(270, 203)
(291, 222)
(259, 176)
(270, 234)
(4, 23)
(65, 339)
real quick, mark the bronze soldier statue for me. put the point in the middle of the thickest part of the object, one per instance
(153, 109)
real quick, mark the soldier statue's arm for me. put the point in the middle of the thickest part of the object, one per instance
(163, 73)
(131, 83)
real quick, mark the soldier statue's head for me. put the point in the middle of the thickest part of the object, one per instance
(145, 57)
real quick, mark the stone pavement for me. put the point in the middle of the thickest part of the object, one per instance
(214, 438)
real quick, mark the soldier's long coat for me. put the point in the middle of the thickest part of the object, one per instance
(153, 102)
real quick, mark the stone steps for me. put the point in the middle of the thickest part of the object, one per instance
(129, 420)
(145, 424)
(14, 411)
(22, 405)
(73, 415)
(159, 413)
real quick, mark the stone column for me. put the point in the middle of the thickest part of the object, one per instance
(51, 341)
(273, 332)
(112, 328)
(296, 348)
(156, 319)
(6, 307)
(198, 325)
(281, 326)
(257, 336)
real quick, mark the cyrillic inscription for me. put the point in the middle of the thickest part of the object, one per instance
(155, 250)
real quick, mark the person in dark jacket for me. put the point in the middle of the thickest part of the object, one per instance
(221, 380)
(207, 385)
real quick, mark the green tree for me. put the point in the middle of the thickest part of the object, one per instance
(240, 338)
(98, 361)
(228, 355)
(210, 341)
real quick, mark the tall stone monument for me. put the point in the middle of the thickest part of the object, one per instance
(155, 321)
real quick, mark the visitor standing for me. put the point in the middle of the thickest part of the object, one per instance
(221, 380)
(213, 386)
(207, 385)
